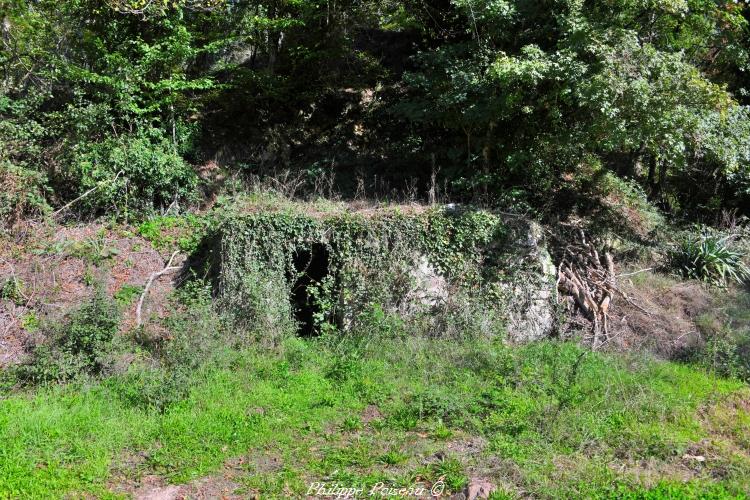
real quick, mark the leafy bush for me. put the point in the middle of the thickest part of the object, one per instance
(167, 232)
(81, 345)
(725, 331)
(709, 258)
(12, 289)
(139, 173)
(22, 193)
(152, 387)
(127, 294)
(629, 202)
(727, 354)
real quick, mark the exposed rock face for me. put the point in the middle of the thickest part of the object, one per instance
(531, 291)
(529, 287)
(430, 288)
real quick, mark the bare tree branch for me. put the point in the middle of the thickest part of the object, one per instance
(167, 269)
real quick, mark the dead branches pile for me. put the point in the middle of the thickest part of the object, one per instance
(589, 279)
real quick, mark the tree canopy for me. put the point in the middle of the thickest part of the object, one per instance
(499, 99)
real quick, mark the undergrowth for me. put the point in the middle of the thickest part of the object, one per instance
(80, 345)
(726, 334)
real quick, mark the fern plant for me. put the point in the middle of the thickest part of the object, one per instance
(709, 258)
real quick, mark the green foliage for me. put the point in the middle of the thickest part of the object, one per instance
(197, 337)
(127, 294)
(23, 193)
(725, 332)
(168, 232)
(524, 107)
(260, 399)
(12, 290)
(453, 241)
(631, 200)
(369, 267)
(30, 322)
(451, 472)
(673, 489)
(80, 345)
(376, 319)
(93, 249)
(709, 257)
(161, 7)
(138, 174)
(500, 101)
(127, 95)
(723, 353)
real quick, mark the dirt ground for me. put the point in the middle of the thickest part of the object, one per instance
(52, 270)
(660, 316)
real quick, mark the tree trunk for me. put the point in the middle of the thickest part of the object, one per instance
(487, 158)
(651, 180)
(662, 177)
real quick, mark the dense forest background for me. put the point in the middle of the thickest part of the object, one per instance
(534, 105)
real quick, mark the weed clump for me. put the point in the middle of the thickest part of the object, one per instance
(187, 341)
(725, 335)
(710, 258)
(22, 194)
(81, 345)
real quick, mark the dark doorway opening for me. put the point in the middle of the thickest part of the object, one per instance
(310, 266)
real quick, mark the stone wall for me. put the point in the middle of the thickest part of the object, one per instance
(448, 270)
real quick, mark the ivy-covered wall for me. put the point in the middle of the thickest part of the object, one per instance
(444, 271)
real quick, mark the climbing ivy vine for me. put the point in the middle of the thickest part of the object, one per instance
(370, 261)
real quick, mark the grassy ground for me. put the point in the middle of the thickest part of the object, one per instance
(544, 420)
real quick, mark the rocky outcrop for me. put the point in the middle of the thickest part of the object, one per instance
(530, 291)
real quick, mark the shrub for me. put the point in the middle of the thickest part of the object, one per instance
(152, 387)
(22, 194)
(726, 354)
(139, 173)
(185, 232)
(12, 289)
(709, 258)
(80, 345)
(628, 201)
(725, 331)
(127, 294)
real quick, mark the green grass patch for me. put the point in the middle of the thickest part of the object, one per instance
(552, 418)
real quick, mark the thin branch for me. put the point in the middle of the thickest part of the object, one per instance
(634, 273)
(99, 185)
(167, 269)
